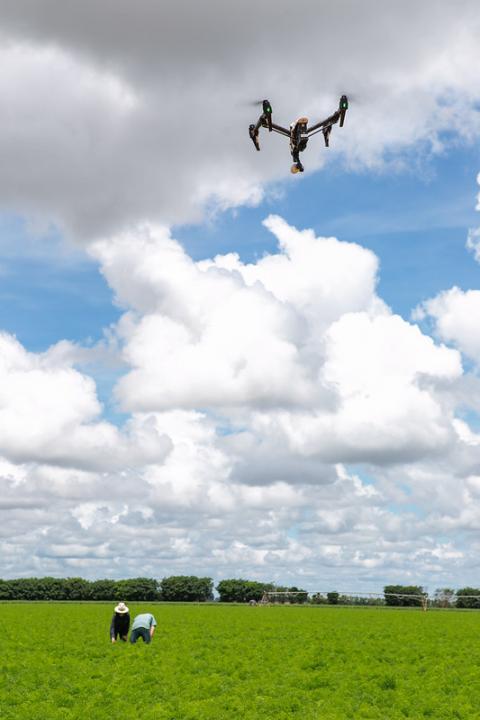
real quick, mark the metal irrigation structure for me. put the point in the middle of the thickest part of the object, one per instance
(392, 599)
(343, 597)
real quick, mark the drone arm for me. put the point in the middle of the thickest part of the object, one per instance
(325, 123)
(259, 123)
(280, 129)
(254, 130)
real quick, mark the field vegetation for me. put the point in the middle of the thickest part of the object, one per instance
(228, 662)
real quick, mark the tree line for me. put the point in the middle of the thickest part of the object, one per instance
(176, 588)
(190, 588)
(411, 596)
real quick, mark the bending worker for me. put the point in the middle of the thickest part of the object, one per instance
(120, 623)
(143, 626)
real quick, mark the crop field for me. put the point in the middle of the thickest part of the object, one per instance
(235, 663)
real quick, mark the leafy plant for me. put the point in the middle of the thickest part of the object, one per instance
(228, 661)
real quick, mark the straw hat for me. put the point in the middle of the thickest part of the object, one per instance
(121, 608)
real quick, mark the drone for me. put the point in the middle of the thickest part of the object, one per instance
(299, 132)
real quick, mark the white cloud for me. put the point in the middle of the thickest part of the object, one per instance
(247, 385)
(296, 350)
(50, 413)
(383, 370)
(456, 312)
(220, 332)
(456, 315)
(473, 239)
(473, 242)
(153, 123)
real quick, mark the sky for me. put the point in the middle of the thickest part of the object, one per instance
(208, 365)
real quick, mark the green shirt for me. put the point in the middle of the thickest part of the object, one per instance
(146, 620)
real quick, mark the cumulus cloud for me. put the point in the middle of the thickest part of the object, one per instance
(473, 243)
(151, 105)
(314, 535)
(296, 350)
(220, 332)
(383, 370)
(473, 239)
(49, 413)
(247, 387)
(455, 312)
(456, 315)
(250, 389)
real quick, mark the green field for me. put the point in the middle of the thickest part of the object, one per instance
(219, 662)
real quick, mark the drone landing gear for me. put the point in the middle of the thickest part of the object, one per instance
(296, 167)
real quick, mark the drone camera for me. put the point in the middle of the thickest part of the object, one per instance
(297, 167)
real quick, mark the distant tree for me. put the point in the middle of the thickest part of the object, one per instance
(5, 590)
(232, 590)
(299, 595)
(76, 589)
(32, 589)
(463, 601)
(103, 590)
(137, 589)
(50, 588)
(444, 597)
(186, 588)
(397, 595)
(239, 590)
(332, 598)
(318, 599)
(289, 595)
(362, 600)
(254, 590)
(27, 589)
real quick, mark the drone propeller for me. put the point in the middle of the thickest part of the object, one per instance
(267, 108)
(353, 97)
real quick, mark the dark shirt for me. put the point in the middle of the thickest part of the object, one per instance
(119, 625)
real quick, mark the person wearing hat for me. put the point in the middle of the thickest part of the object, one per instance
(120, 623)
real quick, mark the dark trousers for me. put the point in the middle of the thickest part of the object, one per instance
(140, 632)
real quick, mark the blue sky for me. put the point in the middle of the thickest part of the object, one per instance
(277, 421)
(50, 290)
(416, 222)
